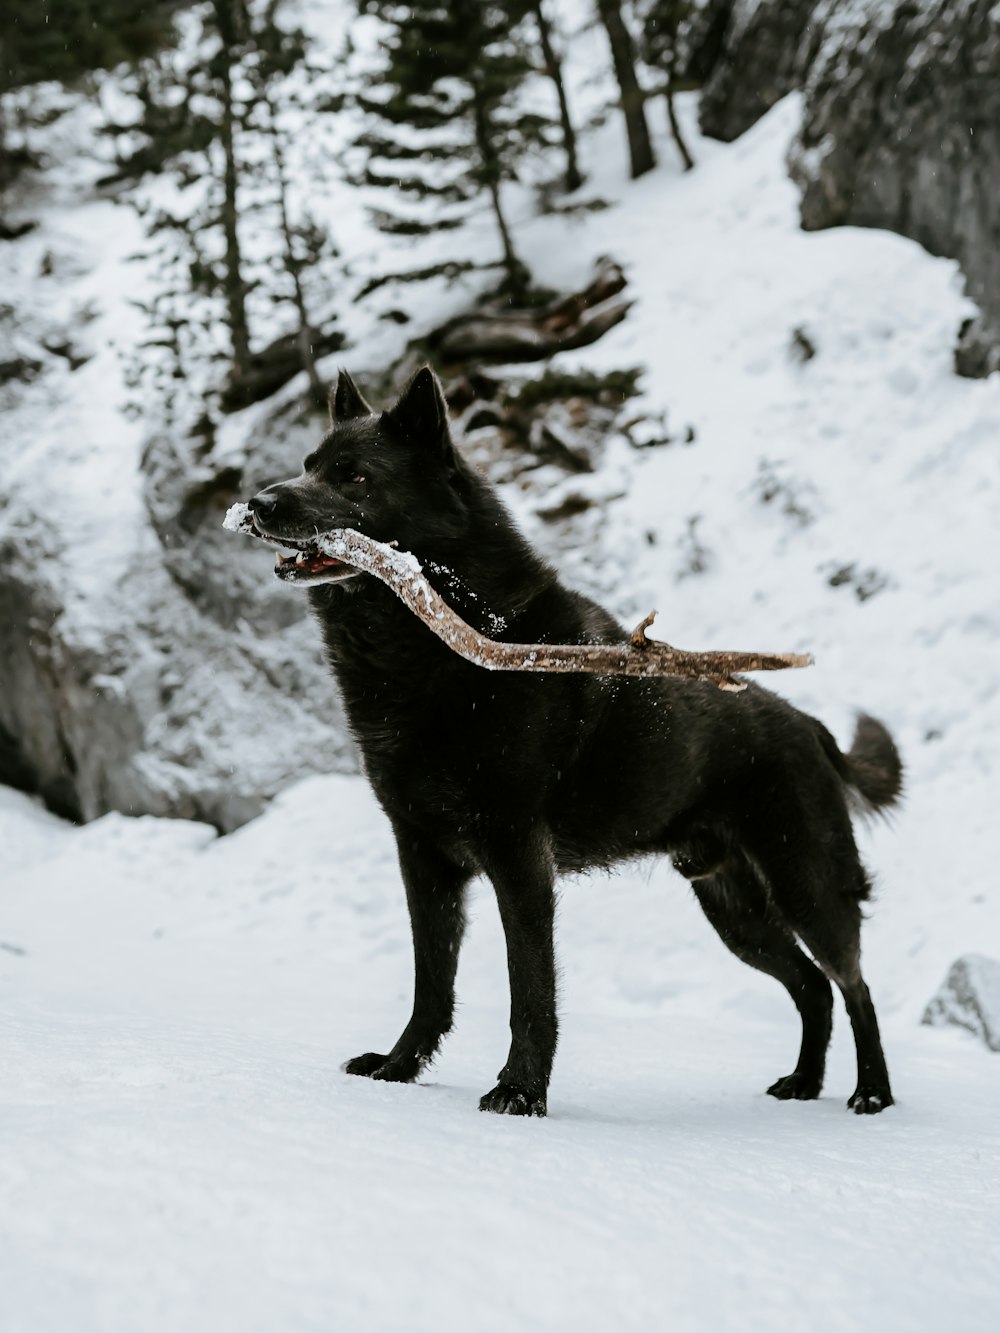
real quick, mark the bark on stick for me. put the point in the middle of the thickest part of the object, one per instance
(639, 656)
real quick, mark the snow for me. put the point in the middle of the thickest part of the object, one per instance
(78, 445)
(237, 516)
(178, 1147)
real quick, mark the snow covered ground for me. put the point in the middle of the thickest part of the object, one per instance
(178, 1148)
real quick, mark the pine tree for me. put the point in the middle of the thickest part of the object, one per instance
(63, 39)
(41, 40)
(191, 123)
(303, 242)
(449, 124)
(216, 122)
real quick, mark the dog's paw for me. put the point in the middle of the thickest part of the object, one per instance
(869, 1101)
(383, 1067)
(796, 1087)
(508, 1099)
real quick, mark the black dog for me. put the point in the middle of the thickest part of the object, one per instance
(521, 777)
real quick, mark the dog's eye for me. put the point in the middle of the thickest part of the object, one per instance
(356, 481)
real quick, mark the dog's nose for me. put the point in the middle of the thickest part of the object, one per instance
(263, 504)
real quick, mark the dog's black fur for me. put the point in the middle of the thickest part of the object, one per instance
(521, 777)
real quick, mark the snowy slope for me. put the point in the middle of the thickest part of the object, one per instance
(879, 461)
(177, 1145)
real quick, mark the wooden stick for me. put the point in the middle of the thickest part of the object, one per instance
(640, 656)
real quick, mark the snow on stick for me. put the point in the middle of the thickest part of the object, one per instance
(640, 656)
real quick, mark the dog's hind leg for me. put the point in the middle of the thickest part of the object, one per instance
(435, 894)
(818, 887)
(736, 905)
(523, 876)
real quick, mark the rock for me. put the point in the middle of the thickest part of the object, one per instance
(13, 231)
(977, 352)
(701, 38)
(901, 129)
(969, 998)
(20, 367)
(901, 120)
(149, 662)
(189, 485)
(748, 54)
(175, 679)
(62, 345)
(801, 347)
(153, 708)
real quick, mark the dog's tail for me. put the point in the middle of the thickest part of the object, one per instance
(872, 768)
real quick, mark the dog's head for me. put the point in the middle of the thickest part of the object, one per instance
(394, 476)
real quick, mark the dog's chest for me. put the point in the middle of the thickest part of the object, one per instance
(457, 754)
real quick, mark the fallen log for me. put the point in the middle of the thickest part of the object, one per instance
(401, 572)
(498, 332)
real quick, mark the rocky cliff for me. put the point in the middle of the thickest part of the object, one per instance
(901, 121)
(170, 677)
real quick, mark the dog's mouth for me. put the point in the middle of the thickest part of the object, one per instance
(305, 563)
(300, 560)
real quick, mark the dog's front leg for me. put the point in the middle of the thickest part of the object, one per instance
(435, 894)
(523, 877)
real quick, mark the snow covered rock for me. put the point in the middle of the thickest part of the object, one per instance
(170, 677)
(748, 53)
(970, 998)
(135, 700)
(902, 130)
(901, 122)
(188, 484)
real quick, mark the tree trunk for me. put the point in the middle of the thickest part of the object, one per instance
(518, 276)
(553, 68)
(4, 146)
(675, 128)
(294, 264)
(623, 57)
(235, 288)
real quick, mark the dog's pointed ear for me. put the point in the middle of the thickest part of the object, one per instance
(421, 415)
(347, 401)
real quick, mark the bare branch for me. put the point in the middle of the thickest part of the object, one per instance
(638, 656)
(638, 637)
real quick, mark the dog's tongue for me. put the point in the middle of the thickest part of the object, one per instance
(306, 562)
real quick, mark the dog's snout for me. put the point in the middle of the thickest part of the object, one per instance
(263, 504)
